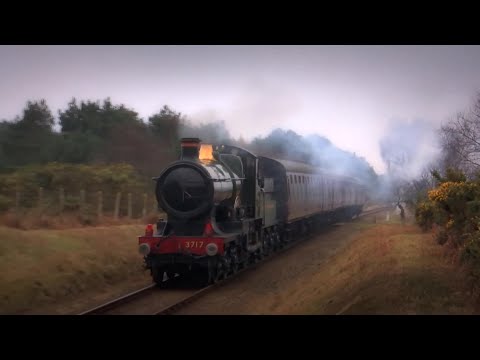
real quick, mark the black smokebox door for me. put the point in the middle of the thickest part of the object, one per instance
(185, 189)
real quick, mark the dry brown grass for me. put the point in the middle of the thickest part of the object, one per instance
(39, 267)
(389, 268)
(35, 219)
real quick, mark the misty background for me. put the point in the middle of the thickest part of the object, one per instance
(357, 97)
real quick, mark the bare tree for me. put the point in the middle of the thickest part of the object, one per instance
(461, 140)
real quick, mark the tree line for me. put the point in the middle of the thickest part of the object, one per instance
(89, 132)
(95, 132)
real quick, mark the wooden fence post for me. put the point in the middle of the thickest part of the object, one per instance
(117, 205)
(129, 198)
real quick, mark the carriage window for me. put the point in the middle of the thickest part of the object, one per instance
(295, 177)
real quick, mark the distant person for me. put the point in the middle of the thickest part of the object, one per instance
(402, 211)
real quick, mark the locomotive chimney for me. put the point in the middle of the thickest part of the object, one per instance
(190, 148)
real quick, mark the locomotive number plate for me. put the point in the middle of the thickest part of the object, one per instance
(193, 244)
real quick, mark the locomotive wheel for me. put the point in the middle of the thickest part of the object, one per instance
(266, 251)
(278, 240)
(221, 271)
(267, 244)
(275, 243)
(232, 260)
(246, 261)
(259, 254)
(234, 264)
(216, 271)
(234, 267)
(219, 276)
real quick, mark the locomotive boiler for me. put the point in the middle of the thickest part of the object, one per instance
(189, 189)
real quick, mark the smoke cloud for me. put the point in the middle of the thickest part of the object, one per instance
(408, 148)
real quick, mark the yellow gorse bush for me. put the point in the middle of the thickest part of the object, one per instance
(450, 190)
(443, 191)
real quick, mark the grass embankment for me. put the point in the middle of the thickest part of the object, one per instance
(41, 267)
(390, 268)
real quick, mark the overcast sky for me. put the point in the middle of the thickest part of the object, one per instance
(350, 94)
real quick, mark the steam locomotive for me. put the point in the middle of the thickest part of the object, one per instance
(228, 208)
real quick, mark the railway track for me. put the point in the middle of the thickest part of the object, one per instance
(119, 301)
(183, 297)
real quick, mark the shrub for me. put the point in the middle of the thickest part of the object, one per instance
(471, 254)
(454, 206)
(424, 215)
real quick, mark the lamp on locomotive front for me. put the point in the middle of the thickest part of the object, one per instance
(206, 152)
(149, 230)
